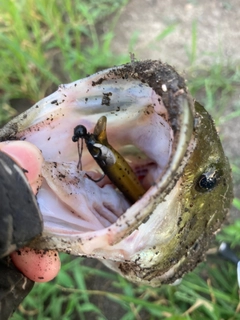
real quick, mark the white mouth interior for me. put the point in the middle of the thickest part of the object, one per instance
(137, 127)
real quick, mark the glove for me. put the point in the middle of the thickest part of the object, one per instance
(20, 222)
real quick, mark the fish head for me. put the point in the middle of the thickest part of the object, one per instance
(171, 145)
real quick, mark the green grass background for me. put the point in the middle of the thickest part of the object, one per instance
(44, 43)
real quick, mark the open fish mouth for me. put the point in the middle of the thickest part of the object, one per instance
(152, 123)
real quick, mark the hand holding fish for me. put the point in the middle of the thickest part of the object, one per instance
(38, 266)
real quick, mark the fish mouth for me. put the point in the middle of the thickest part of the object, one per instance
(149, 122)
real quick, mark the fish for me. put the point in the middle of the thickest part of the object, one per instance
(172, 146)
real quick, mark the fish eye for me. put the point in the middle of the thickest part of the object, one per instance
(79, 132)
(207, 183)
(208, 180)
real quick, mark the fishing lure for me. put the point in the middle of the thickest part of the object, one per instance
(109, 160)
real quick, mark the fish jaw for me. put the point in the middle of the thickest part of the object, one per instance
(153, 124)
(198, 214)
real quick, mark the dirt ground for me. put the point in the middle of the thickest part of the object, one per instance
(217, 23)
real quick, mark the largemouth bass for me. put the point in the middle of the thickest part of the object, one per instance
(170, 143)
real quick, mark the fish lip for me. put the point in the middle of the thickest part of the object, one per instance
(171, 87)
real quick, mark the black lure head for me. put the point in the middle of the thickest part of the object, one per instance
(79, 132)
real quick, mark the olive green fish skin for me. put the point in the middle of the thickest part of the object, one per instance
(202, 212)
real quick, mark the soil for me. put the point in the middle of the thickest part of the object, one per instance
(217, 30)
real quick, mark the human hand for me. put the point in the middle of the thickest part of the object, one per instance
(39, 266)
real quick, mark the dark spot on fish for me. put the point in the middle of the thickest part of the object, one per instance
(172, 260)
(145, 219)
(196, 246)
(99, 81)
(179, 221)
(54, 102)
(106, 99)
(182, 228)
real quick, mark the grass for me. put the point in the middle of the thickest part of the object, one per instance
(49, 44)
(209, 296)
